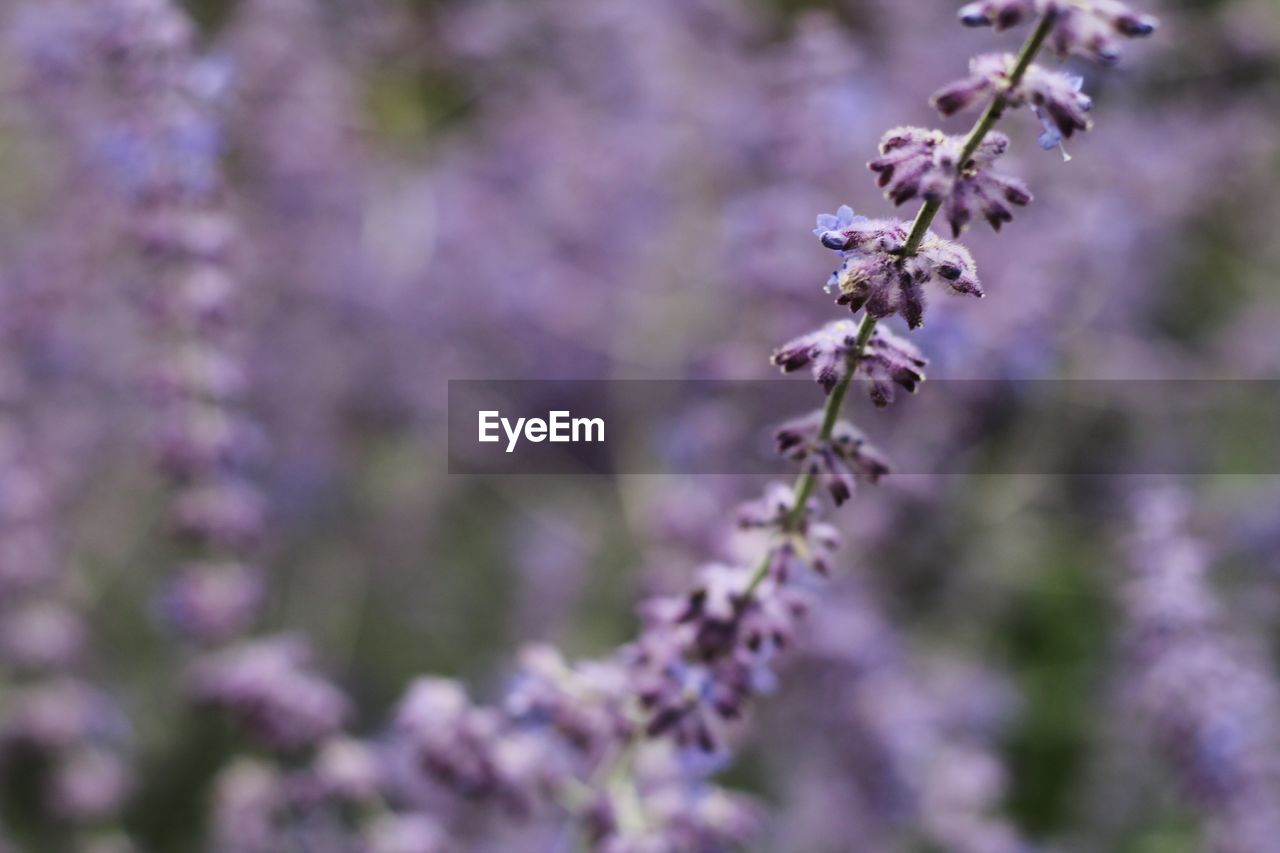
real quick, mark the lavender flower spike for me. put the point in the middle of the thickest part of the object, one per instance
(1054, 96)
(927, 163)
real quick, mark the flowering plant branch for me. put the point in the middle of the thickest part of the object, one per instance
(803, 351)
(704, 654)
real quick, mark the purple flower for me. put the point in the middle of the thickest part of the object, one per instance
(406, 833)
(809, 544)
(772, 508)
(988, 74)
(876, 276)
(890, 360)
(248, 798)
(89, 784)
(581, 702)
(952, 263)
(881, 283)
(42, 634)
(826, 350)
(915, 162)
(886, 359)
(1000, 14)
(1089, 28)
(348, 770)
(698, 816)
(1094, 29)
(840, 221)
(266, 686)
(224, 511)
(470, 749)
(1207, 696)
(838, 461)
(209, 602)
(199, 369)
(867, 235)
(1057, 100)
(199, 439)
(703, 655)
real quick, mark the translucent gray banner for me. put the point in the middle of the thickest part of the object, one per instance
(1046, 427)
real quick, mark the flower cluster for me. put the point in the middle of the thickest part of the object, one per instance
(473, 750)
(165, 155)
(915, 162)
(1089, 28)
(671, 811)
(879, 275)
(155, 150)
(266, 685)
(677, 687)
(261, 807)
(624, 745)
(838, 460)
(885, 360)
(51, 708)
(927, 731)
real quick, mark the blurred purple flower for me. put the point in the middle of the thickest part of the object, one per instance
(266, 685)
